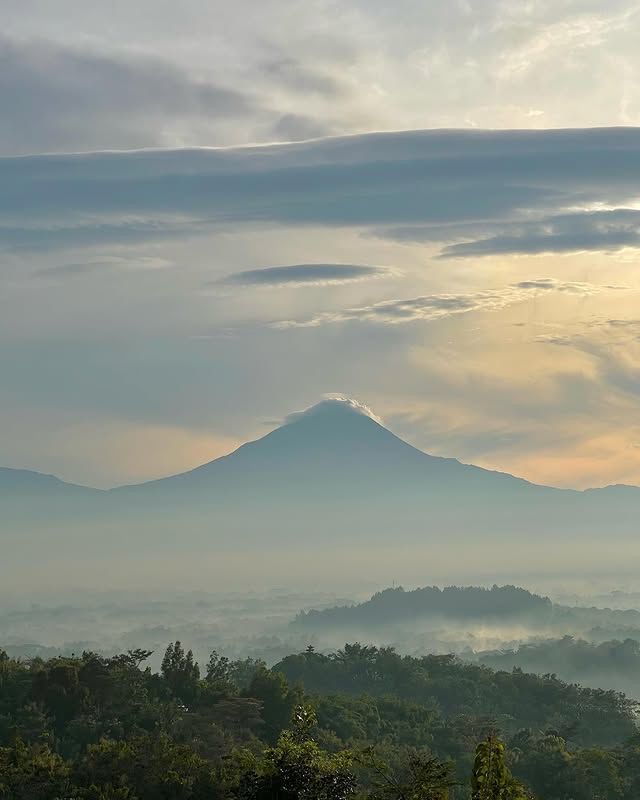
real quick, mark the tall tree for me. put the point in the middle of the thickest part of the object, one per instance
(491, 778)
(181, 672)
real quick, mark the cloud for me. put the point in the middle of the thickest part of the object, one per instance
(297, 275)
(62, 235)
(570, 233)
(595, 336)
(297, 128)
(440, 306)
(299, 76)
(617, 361)
(106, 264)
(332, 401)
(438, 178)
(486, 64)
(570, 287)
(56, 97)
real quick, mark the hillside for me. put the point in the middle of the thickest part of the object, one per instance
(394, 606)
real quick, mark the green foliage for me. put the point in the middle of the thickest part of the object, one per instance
(181, 673)
(32, 773)
(616, 662)
(491, 779)
(510, 700)
(420, 777)
(297, 769)
(98, 728)
(147, 768)
(277, 698)
(453, 602)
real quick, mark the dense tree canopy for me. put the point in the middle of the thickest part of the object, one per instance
(361, 723)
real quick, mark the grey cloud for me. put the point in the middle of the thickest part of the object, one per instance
(438, 306)
(440, 178)
(291, 72)
(437, 233)
(298, 128)
(303, 275)
(118, 232)
(492, 66)
(61, 98)
(604, 230)
(106, 264)
(447, 181)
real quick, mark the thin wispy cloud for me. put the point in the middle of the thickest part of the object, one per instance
(440, 306)
(107, 264)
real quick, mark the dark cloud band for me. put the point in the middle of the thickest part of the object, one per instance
(441, 179)
(304, 275)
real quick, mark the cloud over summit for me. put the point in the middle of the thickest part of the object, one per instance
(332, 403)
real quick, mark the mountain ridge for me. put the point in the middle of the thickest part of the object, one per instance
(313, 439)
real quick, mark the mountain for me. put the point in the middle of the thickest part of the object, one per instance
(332, 442)
(330, 474)
(27, 482)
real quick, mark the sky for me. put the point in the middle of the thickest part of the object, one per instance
(214, 214)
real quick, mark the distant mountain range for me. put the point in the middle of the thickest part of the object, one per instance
(331, 472)
(27, 482)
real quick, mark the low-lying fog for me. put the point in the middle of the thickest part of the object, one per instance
(589, 634)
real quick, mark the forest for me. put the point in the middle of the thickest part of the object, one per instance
(363, 722)
(453, 602)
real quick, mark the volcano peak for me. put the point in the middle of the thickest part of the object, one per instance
(333, 406)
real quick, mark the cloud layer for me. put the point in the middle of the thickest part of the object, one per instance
(527, 185)
(60, 98)
(130, 75)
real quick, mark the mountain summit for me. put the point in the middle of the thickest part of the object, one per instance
(335, 459)
(334, 469)
(335, 440)
(333, 407)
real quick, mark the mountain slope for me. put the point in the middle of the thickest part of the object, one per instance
(333, 472)
(27, 482)
(330, 442)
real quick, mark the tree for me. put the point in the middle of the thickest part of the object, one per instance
(491, 779)
(181, 672)
(422, 777)
(32, 773)
(147, 768)
(278, 701)
(218, 668)
(297, 769)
